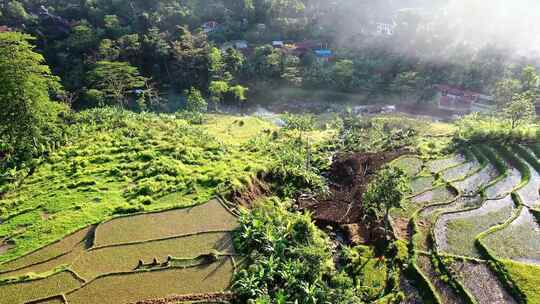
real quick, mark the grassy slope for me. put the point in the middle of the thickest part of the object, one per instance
(121, 163)
(527, 277)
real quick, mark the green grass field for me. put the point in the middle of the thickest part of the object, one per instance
(212, 216)
(121, 162)
(19, 293)
(125, 288)
(527, 278)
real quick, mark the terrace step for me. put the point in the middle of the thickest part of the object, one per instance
(530, 193)
(480, 282)
(520, 241)
(444, 290)
(455, 233)
(436, 166)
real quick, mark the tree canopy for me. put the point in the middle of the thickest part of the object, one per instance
(28, 115)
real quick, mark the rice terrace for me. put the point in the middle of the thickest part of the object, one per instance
(104, 264)
(269, 152)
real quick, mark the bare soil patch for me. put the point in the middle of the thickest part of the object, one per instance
(255, 190)
(349, 176)
(218, 297)
(4, 247)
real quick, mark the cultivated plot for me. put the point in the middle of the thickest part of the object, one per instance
(456, 232)
(504, 186)
(519, 241)
(19, 293)
(460, 203)
(126, 257)
(440, 194)
(132, 287)
(447, 293)
(64, 259)
(460, 172)
(410, 164)
(49, 252)
(439, 165)
(475, 182)
(211, 216)
(480, 281)
(530, 193)
(422, 183)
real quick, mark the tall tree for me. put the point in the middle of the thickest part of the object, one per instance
(505, 91)
(520, 110)
(385, 192)
(116, 80)
(28, 117)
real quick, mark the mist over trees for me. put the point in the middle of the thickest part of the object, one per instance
(176, 54)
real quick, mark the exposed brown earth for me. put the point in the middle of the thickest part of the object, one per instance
(219, 297)
(255, 190)
(349, 176)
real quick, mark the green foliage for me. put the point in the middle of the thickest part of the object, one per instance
(520, 110)
(239, 93)
(286, 251)
(476, 128)
(30, 120)
(195, 101)
(121, 162)
(380, 133)
(115, 80)
(369, 272)
(386, 191)
(301, 123)
(527, 279)
(289, 259)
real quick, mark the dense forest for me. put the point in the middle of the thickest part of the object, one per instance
(138, 53)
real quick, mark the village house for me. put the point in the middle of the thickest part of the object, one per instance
(385, 27)
(463, 101)
(278, 44)
(323, 55)
(210, 26)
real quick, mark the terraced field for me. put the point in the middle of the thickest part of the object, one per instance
(489, 217)
(127, 259)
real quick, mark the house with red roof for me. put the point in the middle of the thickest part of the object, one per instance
(463, 101)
